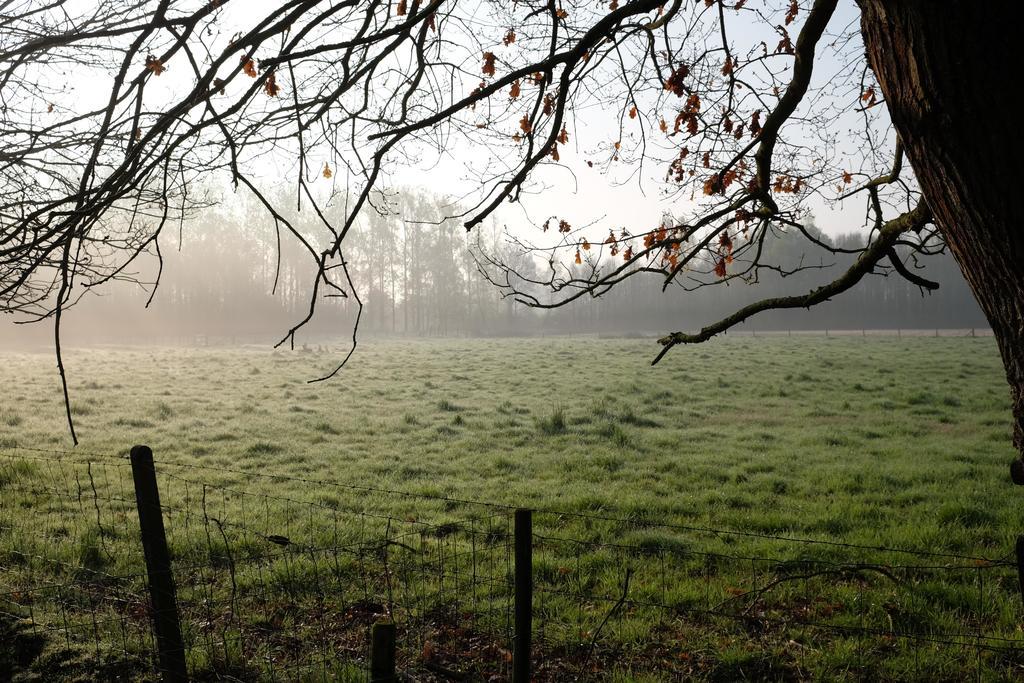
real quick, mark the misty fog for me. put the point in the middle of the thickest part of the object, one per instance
(416, 277)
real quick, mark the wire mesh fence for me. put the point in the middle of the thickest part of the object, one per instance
(283, 578)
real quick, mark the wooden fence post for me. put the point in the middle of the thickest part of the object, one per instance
(166, 626)
(382, 653)
(523, 607)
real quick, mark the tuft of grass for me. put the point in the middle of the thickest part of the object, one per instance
(89, 553)
(163, 411)
(614, 433)
(631, 418)
(263, 448)
(134, 423)
(16, 471)
(553, 423)
(965, 515)
(325, 428)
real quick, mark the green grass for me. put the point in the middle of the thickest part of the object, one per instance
(872, 441)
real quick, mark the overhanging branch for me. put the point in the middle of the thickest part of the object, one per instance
(874, 252)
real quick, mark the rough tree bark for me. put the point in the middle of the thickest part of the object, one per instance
(948, 71)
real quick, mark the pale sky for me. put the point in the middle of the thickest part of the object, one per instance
(578, 192)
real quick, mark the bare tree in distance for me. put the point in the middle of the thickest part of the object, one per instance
(749, 109)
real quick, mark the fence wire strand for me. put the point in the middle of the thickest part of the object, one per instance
(273, 585)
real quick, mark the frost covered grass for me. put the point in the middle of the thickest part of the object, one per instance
(874, 441)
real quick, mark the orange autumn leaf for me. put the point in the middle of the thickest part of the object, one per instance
(514, 90)
(578, 259)
(720, 267)
(791, 13)
(510, 37)
(249, 66)
(563, 136)
(725, 242)
(663, 125)
(729, 178)
(488, 67)
(525, 125)
(554, 152)
(586, 245)
(632, 112)
(712, 185)
(401, 8)
(847, 177)
(154, 65)
(271, 87)
(786, 44)
(675, 80)
(755, 124)
(561, 14)
(327, 170)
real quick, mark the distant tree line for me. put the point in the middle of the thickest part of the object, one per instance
(419, 278)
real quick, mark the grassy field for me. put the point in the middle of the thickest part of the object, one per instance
(873, 441)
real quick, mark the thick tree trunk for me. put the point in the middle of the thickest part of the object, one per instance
(948, 71)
